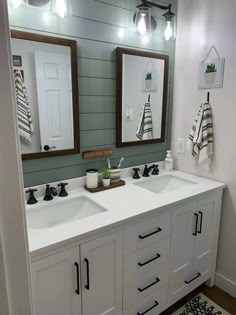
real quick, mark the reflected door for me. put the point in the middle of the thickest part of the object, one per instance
(53, 79)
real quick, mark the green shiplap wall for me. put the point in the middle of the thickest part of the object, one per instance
(99, 27)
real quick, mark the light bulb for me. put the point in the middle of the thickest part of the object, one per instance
(168, 34)
(141, 26)
(15, 3)
(60, 8)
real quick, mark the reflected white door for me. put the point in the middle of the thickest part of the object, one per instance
(53, 80)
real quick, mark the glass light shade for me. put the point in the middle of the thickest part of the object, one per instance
(170, 29)
(14, 3)
(143, 20)
(60, 8)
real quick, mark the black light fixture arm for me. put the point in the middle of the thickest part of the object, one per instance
(162, 7)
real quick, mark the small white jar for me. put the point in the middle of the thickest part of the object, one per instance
(92, 178)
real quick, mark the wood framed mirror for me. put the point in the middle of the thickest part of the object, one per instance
(142, 85)
(46, 90)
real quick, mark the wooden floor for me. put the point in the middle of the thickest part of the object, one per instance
(218, 296)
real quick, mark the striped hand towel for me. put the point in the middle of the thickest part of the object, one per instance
(201, 136)
(23, 110)
(144, 129)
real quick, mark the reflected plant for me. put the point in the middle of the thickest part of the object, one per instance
(211, 68)
(148, 76)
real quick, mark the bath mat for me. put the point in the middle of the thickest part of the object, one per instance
(201, 305)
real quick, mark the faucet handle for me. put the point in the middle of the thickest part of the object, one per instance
(32, 200)
(63, 192)
(155, 169)
(136, 174)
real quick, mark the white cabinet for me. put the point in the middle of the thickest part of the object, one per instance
(102, 275)
(192, 245)
(163, 258)
(55, 287)
(64, 284)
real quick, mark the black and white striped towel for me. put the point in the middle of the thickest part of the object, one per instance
(23, 110)
(201, 136)
(144, 129)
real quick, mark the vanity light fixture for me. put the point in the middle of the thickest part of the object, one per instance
(146, 23)
(60, 8)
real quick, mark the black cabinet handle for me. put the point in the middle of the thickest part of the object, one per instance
(196, 224)
(198, 275)
(87, 286)
(150, 234)
(77, 278)
(149, 309)
(201, 217)
(150, 285)
(148, 261)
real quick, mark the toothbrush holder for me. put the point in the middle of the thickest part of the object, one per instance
(115, 174)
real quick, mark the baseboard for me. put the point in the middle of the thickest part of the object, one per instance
(225, 284)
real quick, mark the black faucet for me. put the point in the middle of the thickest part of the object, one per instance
(147, 170)
(136, 174)
(32, 200)
(49, 193)
(63, 192)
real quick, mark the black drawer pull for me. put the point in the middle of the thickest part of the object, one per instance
(77, 278)
(87, 286)
(150, 234)
(201, 217)
(150, 285)
(149, 309)
(148, 261)
(196, 224)
(198, 275)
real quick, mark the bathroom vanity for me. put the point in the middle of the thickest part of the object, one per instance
(133, 250)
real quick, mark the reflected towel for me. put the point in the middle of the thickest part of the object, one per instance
(200, 140)
(144, 129)
(23, 110)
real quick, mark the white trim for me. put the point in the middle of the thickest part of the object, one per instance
(225, 284)
(14, 256)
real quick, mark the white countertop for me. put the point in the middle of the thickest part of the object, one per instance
(122, 203)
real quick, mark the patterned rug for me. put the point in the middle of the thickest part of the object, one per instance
(201, 305)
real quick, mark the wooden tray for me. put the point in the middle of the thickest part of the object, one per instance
(102, 188)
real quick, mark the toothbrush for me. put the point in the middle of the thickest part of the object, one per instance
(119, 164)
(108, 163)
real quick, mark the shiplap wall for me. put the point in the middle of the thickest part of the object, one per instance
(99, 27)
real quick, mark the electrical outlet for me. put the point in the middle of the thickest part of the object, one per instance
(181, 146)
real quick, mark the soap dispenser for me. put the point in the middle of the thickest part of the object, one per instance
(168, 161)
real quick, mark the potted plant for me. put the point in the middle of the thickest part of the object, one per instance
(210, 74)
(106, 177)
(148, 80)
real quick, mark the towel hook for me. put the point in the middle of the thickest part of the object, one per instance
(149, 98)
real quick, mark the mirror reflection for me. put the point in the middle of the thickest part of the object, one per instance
(142, 99)
(44, 96)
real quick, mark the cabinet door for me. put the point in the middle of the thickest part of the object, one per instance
(204, 238)
(182, 248)
(55, 284)
(102, 275)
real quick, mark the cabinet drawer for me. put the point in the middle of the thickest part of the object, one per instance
(147, 258)
(139, 284)
(146, 233)
(153, 304)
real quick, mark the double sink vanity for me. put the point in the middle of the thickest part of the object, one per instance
(133, 250)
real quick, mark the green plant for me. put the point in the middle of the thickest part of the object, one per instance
(106, 173)
(211, 68)
(148, 76)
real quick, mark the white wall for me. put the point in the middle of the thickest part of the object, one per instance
(14, 258)
(202, 24)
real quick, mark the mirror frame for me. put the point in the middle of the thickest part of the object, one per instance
(119, 77)
(75, 98)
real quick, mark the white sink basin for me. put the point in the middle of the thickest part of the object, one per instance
(165, 183)
(57, 212)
